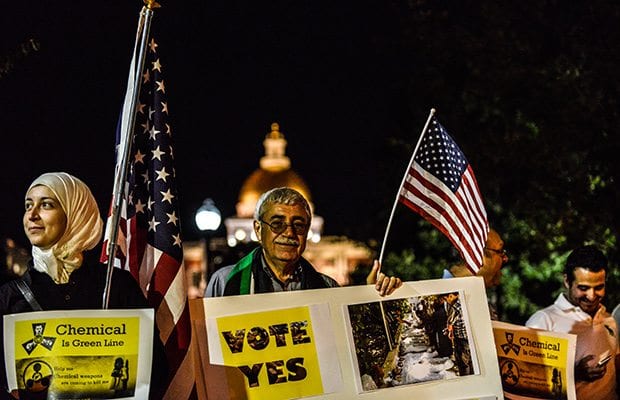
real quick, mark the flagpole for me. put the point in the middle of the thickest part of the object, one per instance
(127, 122)
(387, 230)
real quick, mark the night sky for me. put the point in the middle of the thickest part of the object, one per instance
(327, 72)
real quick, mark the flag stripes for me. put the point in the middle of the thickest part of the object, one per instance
(440, 185)
(150, 236)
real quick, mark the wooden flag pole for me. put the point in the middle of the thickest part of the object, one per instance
(128, 118)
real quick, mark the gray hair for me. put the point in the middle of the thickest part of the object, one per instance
(281, 195)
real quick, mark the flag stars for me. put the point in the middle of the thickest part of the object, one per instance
(172, 218)
(161, 87)
(153, 46)
(153, 225)
(147, 181)
(161, 174)
(139, 157)
(157, 153)
(168, 196)
(156, 65)
(177, 240)
(153, 132)
(140, 207)
(154, 196)
(146, 76)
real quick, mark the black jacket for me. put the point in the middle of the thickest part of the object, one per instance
(83, 291)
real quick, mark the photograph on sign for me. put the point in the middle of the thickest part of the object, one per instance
(411, 340)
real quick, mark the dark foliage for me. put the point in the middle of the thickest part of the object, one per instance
(530, 92)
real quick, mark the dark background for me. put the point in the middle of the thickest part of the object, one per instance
(529, 90)
(323, 70)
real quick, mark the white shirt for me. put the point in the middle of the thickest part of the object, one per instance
(594, 336)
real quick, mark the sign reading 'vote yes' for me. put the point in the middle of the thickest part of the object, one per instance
(275, 350)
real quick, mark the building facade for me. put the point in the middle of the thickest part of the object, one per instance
(336, 256)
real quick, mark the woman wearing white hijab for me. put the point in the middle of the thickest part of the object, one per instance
(58, 240)
(62, 221)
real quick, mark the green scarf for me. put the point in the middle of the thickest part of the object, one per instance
(244, 267)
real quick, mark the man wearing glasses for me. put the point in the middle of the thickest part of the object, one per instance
(494, 257)
(281, 223)
(492, 261)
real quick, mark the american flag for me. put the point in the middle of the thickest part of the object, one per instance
(149, 235)
(440, 185)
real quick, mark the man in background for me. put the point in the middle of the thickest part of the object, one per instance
(493, 259)
(457, 333)
(579, 310)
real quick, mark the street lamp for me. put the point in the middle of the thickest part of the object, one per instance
(208, 219)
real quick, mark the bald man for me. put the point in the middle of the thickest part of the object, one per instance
(493, 259)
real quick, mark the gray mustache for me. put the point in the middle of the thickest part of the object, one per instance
(291, 242)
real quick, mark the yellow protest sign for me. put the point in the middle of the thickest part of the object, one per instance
(94, 353)
(535, 364)
(275, 350)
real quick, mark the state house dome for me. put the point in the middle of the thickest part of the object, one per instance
(337, 257)
(275, 171)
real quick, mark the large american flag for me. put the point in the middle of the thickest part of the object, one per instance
(149, 239)
(440, 185)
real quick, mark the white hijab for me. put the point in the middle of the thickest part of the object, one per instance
(83, 231)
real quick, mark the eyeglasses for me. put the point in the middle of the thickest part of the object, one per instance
(277, 227)
(502, 253)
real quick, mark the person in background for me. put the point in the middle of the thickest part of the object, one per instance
(493, 259)
(457, 333)
(579, 310)
(62, 222)
(14, 260)
(281, 222)
(495, 256)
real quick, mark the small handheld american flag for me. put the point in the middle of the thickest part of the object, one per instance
(440, 185)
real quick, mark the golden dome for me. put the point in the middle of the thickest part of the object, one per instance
(274, 172)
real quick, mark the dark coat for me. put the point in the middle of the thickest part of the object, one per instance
(83, 291)
(251, 265)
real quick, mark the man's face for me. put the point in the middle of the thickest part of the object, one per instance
(493, 259)
(283, 248)
(587, 290)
